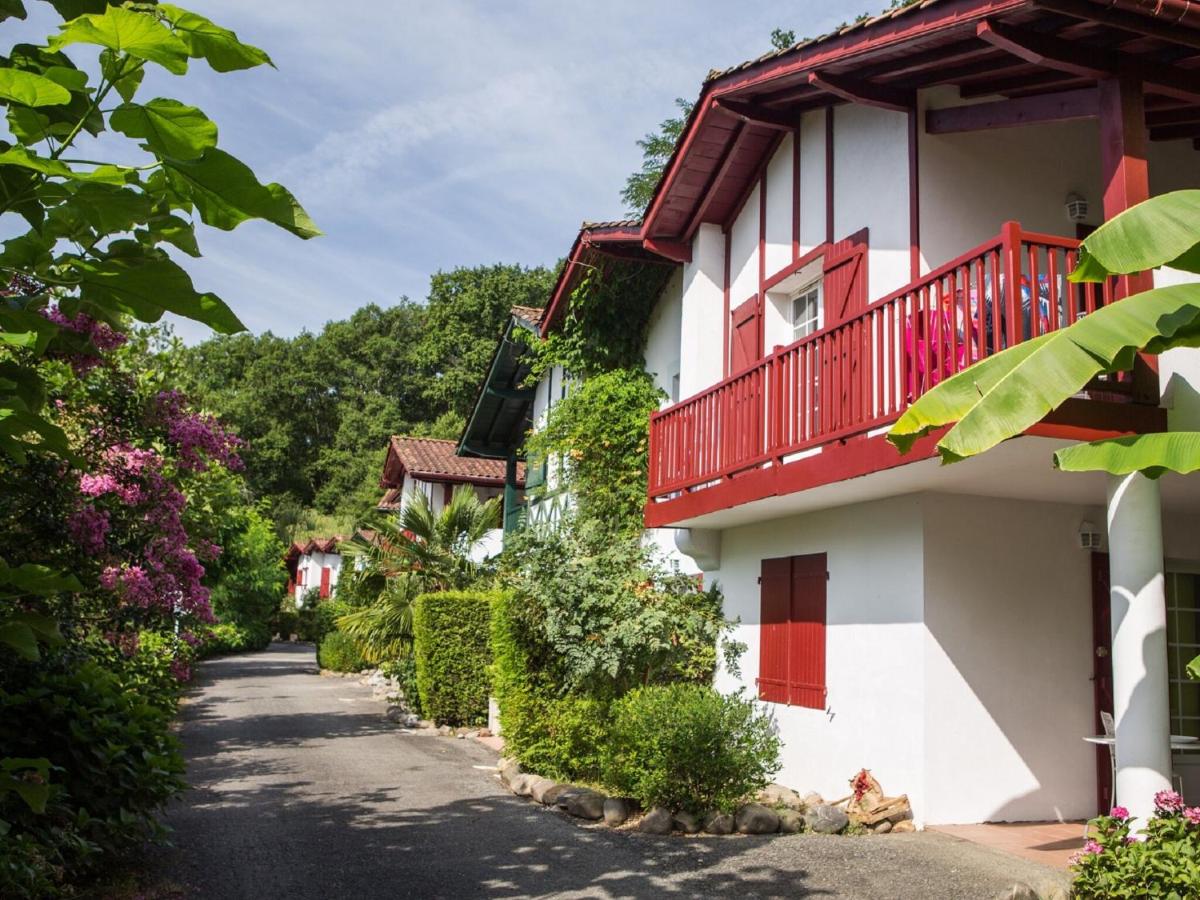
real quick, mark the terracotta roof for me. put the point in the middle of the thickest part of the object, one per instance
(431, 459)
(619, 223)
(714, 74)
(390, 500)
(531, 314)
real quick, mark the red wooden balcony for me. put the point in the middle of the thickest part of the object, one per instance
(859, 375)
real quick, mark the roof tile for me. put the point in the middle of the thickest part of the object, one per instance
(434, 459)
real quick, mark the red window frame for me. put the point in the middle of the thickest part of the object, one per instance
(791, 668)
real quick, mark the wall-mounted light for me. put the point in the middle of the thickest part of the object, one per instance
(1089, 537)
(1077, 207)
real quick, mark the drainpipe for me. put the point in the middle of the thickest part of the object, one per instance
(1139, 642)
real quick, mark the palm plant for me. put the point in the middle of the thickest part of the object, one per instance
(416, 552)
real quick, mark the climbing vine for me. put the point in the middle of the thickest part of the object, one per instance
(599, 430)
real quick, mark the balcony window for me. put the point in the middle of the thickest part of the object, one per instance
(807, 313)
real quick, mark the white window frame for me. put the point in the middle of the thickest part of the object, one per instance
(809, 324)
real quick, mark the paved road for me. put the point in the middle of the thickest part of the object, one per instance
(302, 790)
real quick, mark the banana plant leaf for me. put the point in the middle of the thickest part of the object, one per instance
(1162, 231)
(1005, 395)
(1151, 454)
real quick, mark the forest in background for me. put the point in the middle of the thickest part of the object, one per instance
(316, 410)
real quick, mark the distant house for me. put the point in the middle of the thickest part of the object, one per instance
(431, 467)
(314, 563)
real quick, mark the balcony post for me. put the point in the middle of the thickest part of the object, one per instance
(1126, 177)
(1010, 238)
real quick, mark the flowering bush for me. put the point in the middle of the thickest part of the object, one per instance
(1165, 862)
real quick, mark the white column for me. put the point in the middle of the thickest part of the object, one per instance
(1139, 639)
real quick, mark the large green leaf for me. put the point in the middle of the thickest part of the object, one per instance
(168, 126)
(226, 193)
(142, 35)
(1151, 454)
(20, 156)
(35, 791)
(42, 581)
(146, 287)
(219, 46)
(173, 230)
(125, 78)
(1005, 395)
(110, 209)
(11, 9)
(29, 89)
(1161, 231)
(16, 426)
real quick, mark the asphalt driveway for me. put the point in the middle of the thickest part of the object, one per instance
(301, 789)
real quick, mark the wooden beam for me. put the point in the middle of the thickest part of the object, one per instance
(864, 92)
(1042, 50)
(1175, 132)
(519, 394)
(711, 188)
(757, 115)
(676, 251)
(1088, 62)
(1040, 80)
(1126, 21)
(1061, 107)
(1182, 116)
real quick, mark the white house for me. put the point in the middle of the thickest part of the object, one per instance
(431, 467)
(314, 564)
(854, 219)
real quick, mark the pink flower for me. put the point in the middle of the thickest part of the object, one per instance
(1091, 848)
(95, 485)
(1192, 814)
(1120, 812)
(1167, 802)
(88, 527)
(181, 670)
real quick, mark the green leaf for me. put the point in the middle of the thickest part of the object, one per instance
(111, 209)
(139, 34)
(227, 193)
(11, 9)
(18, 192)
(219, 46)
(29, 126)
(15, 427)
(29, 89)
(1158, 232)
(71, 9)
(35, 792)
(20, 156)
(126, 79)
(20, 637)
(1151, 454)
(24, 328)
(146, 287)
(173, 230)
(30, 578)
(1193, 669)
(1005, 395)
(168, 126)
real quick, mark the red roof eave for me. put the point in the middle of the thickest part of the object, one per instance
(894, 28)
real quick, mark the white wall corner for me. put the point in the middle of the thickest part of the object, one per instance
(703, 545)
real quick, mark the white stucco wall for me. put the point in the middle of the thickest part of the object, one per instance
(743, 251)
(779, 207)
(972, 182)
(812, 180)
(1008, 661)
(662, 354)
(874, 643)
(311, 565)
(870, 190)
(701, 326)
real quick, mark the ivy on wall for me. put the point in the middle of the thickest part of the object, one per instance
(600, 429)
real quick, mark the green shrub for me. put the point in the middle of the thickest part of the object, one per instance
(450, 646)
(559, 737)
(1165, 863)
(286, 620)
(113, 765)
(686, 746)
(339, 653)
(229, 637)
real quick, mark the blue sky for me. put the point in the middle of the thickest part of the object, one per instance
(424, 136)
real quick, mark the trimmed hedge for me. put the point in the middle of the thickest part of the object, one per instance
(450, 645)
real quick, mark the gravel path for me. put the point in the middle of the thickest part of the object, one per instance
(302, 790)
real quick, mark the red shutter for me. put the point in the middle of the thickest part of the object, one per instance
(791, 667)
(806, 643)
(775, 609)
(845, 286)
(324, 582)
(744, 350)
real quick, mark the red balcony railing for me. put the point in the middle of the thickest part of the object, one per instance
(861, 374)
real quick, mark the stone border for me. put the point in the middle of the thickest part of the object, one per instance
(777, 810)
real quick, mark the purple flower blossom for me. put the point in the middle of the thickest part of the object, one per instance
(199, 439)
(1120, 812)
(88, 528)
(1091, 847)
(181, 670)
(1168, 802)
